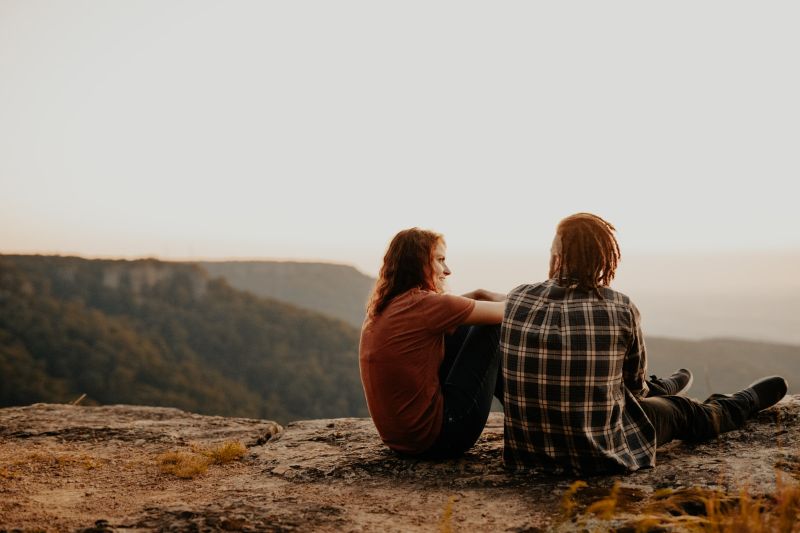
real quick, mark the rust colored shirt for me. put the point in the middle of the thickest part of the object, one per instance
(399, 354)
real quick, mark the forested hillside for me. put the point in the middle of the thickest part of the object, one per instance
(719, 365)
(336, 290)
(155, 333)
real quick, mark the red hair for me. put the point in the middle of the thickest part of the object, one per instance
(589, 252)
(408, 264)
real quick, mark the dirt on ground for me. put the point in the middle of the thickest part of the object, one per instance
(99, 469)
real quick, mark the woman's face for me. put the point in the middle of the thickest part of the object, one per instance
(440, 269)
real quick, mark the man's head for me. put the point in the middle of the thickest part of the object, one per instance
(584, 251)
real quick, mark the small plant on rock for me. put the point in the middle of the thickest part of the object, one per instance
(188, 465)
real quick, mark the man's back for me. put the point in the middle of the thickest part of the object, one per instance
(573, 364)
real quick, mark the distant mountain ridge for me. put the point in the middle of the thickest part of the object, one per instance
(723, 365)
(719, 365)
(339, 291)
(156, 333)
(173, 334)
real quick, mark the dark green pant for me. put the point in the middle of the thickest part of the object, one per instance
(678, 417)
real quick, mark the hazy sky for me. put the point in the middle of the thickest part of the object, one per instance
(317, 129)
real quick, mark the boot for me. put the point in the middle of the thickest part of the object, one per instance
(766, 392)
(676, 384)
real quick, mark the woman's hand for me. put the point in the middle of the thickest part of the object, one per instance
(489, 307)
(484, 295)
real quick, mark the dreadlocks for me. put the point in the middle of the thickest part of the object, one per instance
(585, 252)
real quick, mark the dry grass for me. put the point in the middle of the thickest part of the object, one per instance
(79, 399)
(182, 464)
(605, 507)
(188, 465)
(225, 452)
(692, 510)
(34, 462)
(446, 522)
(568, 504)
(697, 510)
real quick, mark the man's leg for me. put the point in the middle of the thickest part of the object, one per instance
(677, 417)
(676, 384)
(468, 390)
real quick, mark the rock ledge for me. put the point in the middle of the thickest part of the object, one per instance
(70, 468)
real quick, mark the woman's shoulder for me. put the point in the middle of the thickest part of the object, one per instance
(410, 298)
(418, 293)
(417, 299)
(427, 301)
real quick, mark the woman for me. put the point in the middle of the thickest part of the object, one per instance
(428, 383)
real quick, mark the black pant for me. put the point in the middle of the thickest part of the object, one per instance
(678, 417)
(469, 378)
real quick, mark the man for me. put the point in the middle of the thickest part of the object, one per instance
(574, 368)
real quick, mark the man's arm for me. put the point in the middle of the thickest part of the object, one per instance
(634, 368)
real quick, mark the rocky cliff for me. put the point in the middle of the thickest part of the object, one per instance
(73, 468)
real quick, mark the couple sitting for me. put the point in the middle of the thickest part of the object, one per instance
(566, 357)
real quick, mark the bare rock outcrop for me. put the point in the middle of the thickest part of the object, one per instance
(72, 468)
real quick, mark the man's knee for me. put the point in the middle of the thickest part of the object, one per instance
(665, 417)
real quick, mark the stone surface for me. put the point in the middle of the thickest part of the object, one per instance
(71, 468)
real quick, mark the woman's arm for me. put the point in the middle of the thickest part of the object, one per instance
(484, 295)
(486, 313)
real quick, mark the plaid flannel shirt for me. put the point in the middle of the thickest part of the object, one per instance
(573, 366)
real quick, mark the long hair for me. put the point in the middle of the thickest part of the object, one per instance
(406, 265)
(587, 252)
